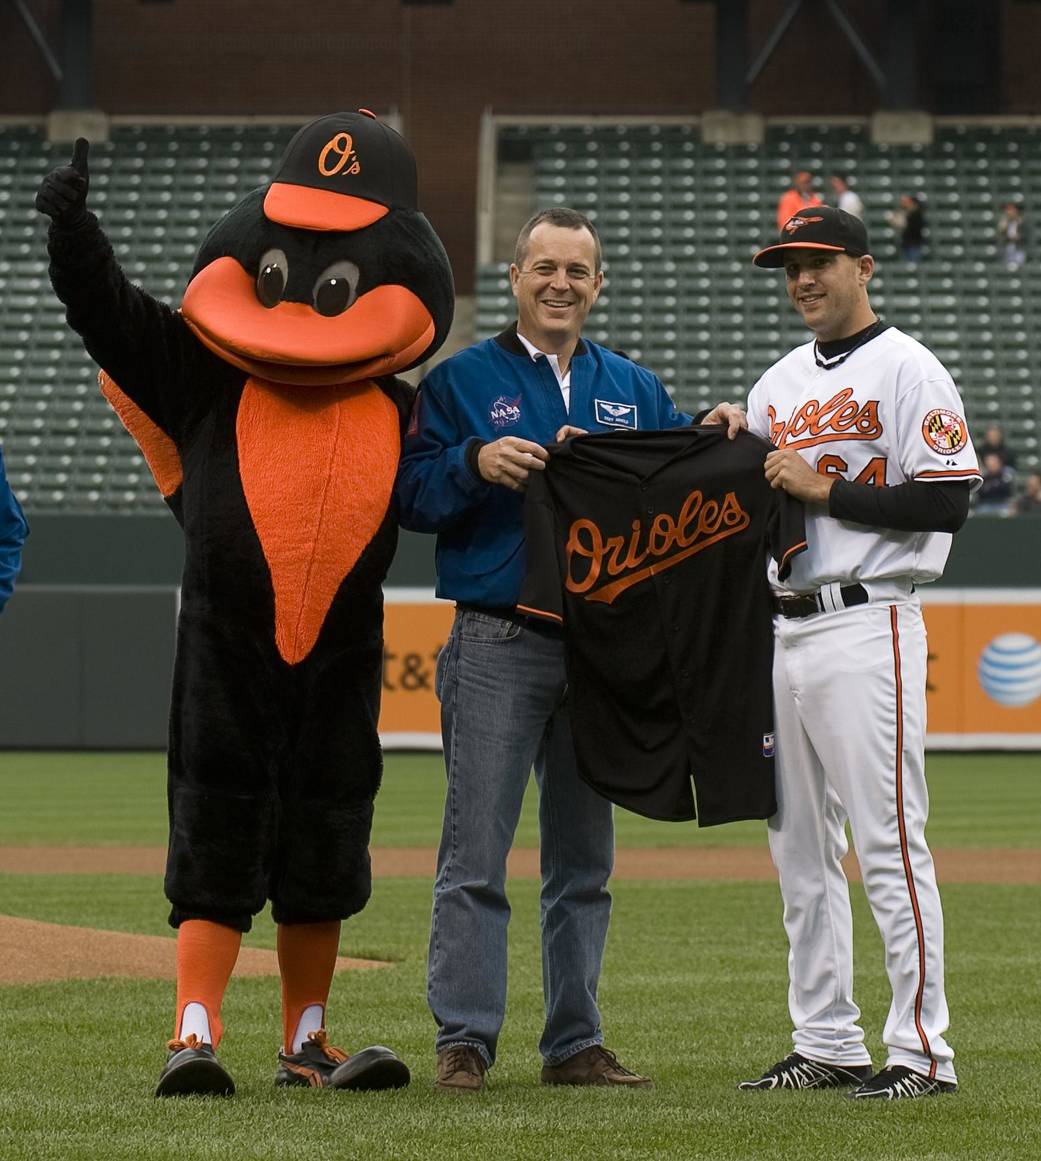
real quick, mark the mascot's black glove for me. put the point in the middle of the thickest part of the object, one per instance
(62, 195)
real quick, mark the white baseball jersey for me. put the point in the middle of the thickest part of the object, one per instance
(888, 413)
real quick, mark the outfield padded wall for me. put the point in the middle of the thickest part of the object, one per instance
(87, 641)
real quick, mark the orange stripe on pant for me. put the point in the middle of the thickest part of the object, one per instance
(904, 853)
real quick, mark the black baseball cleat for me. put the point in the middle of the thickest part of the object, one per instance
(900, 1083)
(796, 1071)
(192, 1069)
(320, 1065)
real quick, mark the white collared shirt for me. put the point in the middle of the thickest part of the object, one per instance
(564, 380)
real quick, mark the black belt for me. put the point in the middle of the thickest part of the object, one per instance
(536, 624)
(809, 604)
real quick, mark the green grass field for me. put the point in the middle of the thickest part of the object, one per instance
(693, 992)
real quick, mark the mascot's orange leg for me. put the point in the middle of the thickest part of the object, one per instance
(206, 954)
(306, 959)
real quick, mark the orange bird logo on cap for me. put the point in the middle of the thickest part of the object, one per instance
(798, 222)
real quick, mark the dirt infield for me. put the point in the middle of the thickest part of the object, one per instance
(32, 952)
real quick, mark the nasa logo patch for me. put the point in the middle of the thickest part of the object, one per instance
(946, 432)
(505, 412)
(768, 745)
(616, 414)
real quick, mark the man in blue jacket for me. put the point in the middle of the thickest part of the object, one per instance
(13, 531)
(479, 428)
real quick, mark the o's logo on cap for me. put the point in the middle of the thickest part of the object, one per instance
(798, 222)
(341, 149)
(945, 431)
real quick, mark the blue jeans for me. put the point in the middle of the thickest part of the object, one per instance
(503, 710)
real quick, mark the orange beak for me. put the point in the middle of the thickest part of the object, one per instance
(384, 330)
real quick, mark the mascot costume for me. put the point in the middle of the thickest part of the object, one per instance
(269, 414)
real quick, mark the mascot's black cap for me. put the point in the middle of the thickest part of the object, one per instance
(343, 171)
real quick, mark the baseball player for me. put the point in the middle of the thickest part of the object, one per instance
(870, 434)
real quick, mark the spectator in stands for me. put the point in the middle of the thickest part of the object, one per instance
(797, 198)
(994, 497)
(994, 441)
(845, 198)
(1028, 503)
(13, 531)
(909, 219)
(1012, 231)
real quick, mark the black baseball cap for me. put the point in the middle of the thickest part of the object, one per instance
(343, 171)
(816, 228)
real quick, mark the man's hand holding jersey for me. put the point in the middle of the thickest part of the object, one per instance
(732, 414)
(784, 469)
(788, 470)
(509, 461)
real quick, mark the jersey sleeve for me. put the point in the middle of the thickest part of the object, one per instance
(932, 434)
(542, 593)
(786, 532)
(786, 516)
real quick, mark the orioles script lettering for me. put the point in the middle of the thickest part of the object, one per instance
(842, 417)
(602, 566)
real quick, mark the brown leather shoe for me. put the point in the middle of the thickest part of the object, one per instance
(595, 1065)
(460, 1068)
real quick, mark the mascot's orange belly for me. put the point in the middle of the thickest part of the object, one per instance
(317, 466)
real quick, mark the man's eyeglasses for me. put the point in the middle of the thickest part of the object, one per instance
(548, 270)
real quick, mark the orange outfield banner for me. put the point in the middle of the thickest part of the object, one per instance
(415, 626)
(984, 683)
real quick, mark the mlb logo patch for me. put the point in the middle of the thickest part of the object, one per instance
(505, 412)
(616, 414)
(768, 745)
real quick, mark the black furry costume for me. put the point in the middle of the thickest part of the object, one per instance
(269, 414)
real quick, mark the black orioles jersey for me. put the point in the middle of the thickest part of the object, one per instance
(650, 549)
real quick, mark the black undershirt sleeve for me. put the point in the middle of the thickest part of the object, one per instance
(914, 506)
(473, 450)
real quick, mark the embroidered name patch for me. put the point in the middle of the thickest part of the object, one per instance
(616, 414)
(945, 431)
(505, 412)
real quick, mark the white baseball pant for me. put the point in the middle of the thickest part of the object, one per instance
(849, 689)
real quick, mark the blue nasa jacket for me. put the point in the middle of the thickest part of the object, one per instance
(484, 392)
(13, 531)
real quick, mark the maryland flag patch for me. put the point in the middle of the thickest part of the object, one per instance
(945, 431)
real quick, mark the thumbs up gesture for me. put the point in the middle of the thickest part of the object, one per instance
(62, 195)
